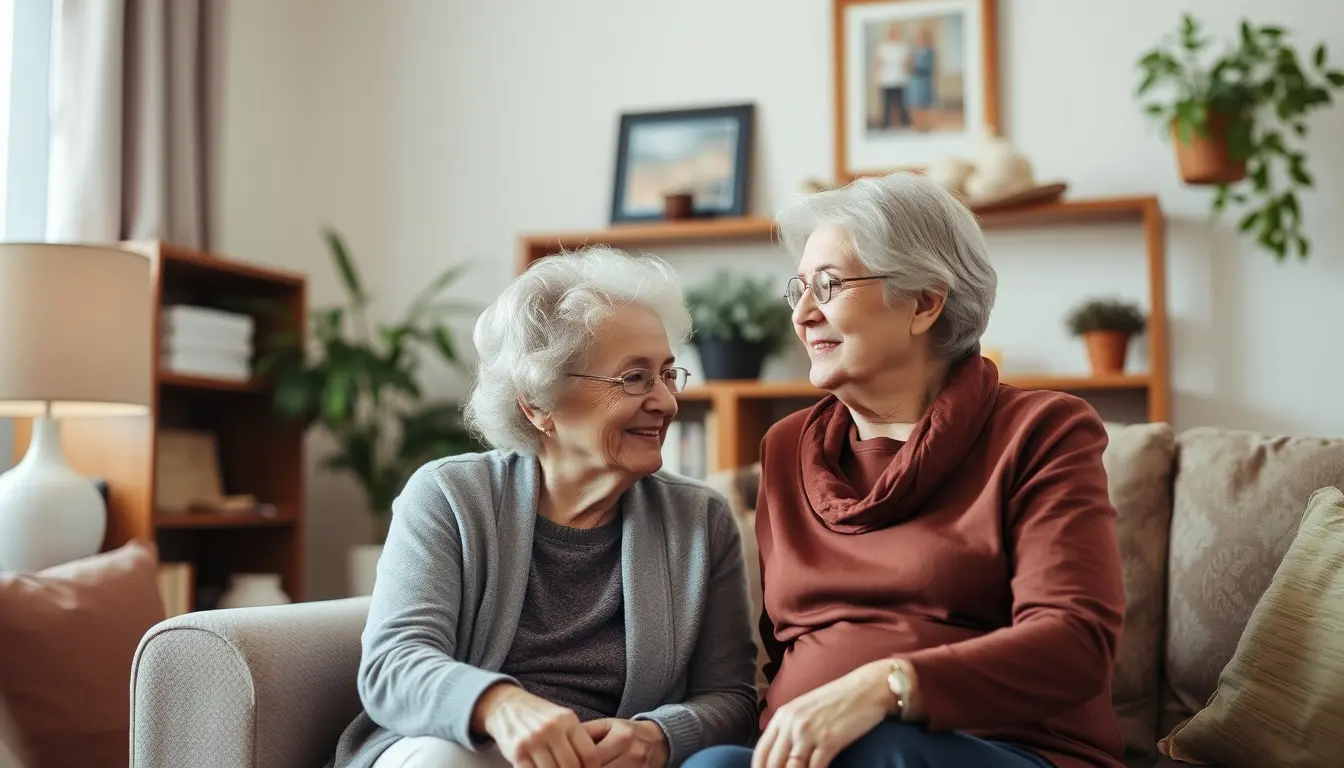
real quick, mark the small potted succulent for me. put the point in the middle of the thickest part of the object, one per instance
(1238, 118)
(738, 321)
(1106, 326)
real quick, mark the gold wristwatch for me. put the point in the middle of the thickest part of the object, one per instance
(899, 681)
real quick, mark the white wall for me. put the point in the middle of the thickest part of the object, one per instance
(435, 132)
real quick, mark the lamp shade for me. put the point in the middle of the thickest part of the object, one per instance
(76, 330)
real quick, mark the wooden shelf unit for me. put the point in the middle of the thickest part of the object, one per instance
(259, 454)
(744, 409)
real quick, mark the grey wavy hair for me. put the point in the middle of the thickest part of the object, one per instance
(540, 327)
(910, 227)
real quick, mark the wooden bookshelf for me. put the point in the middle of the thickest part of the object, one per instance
(259, 454)
(744, 410)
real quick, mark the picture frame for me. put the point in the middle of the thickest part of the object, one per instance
(915, 81)
(704, 151)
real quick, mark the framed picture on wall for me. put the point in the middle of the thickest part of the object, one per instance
(704, 152)
(915, 80)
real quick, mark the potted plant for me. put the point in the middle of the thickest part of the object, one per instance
(737, 322)
(360, 381)
(1237, 116)
(1106, 326)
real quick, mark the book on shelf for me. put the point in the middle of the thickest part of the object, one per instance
(200, 341)
(691, 447)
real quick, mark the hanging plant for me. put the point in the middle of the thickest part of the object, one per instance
(1237, 121)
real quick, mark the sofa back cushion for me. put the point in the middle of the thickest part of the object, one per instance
(1138, 462)
(1237, 502)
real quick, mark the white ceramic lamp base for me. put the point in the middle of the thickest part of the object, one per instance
(49, 514)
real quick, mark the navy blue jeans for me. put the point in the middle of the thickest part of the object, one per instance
(893, 744)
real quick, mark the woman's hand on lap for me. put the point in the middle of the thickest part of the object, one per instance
(811, 730)
(532, 732)
(629, 743)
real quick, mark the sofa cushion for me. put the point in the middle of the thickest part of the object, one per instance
(1278, 700)
(1138, 462)
(1237, 502)
(69, 634)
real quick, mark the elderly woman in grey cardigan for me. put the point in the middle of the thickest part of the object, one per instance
(557, 602)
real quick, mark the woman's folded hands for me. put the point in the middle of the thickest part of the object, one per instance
(532, 732)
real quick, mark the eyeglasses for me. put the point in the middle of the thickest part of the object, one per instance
(639, 381)
(823, 285)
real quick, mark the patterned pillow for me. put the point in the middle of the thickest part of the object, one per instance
(1278, 700)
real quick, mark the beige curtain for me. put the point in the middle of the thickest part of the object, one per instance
(131, 86)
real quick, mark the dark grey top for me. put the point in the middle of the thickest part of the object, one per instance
(570, 645)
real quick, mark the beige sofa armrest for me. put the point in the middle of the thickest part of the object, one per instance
(247, 687)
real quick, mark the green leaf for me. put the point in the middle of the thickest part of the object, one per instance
(1318, 55)
(444, 341)
(432, 290)
(1335, 77)
(354, 287)
(1220, 197)
(1248, 221)
(1298, 172)
(339, 395)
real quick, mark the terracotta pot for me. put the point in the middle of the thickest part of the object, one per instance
(1208, 160)
(1107, 350)
(678, 206)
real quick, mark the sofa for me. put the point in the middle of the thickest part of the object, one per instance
(1205, 516)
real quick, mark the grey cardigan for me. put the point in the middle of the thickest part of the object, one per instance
(450, 588)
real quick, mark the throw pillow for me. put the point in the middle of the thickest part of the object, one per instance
(69, 635)
(1278, 700)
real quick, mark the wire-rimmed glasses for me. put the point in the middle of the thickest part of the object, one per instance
(823, 285)
(639, 381)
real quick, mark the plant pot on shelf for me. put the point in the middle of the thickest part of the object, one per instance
(1107, 351)
(362, 568)
(1209, 159)
(730, 358)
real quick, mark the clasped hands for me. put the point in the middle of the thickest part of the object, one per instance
(534, 733)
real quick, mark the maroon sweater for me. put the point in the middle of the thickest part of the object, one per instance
(983, 550)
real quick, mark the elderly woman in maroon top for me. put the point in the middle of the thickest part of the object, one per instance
(941, 570)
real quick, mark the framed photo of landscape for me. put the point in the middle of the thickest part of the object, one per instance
(704, 152)
(915, 80)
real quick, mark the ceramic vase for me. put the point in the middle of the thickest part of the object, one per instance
(252, 590)
(362, 568)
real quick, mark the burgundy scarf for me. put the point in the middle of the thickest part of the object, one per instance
(936, 447)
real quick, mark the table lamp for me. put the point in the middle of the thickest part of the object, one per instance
(76, 333)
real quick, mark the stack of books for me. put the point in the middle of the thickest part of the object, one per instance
(202, 341)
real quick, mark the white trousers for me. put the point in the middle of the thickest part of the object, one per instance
(430, 752)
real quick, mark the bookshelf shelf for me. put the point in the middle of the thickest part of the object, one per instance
(743, 410)
(220, 521)
(781, 390)
(187, 381)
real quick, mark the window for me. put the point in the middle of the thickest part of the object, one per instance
(6, 67)
(25, 53)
